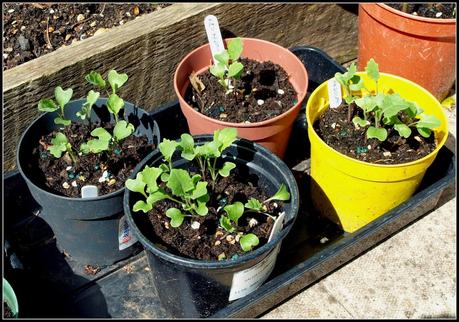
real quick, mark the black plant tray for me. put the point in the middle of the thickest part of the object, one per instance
(50, 284)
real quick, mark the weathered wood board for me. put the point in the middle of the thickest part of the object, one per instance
(149, 48)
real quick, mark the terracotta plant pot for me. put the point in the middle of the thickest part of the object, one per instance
(420, 49)
(273, 133)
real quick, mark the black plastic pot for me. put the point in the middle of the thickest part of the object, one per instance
(86, 229)
(197, 288)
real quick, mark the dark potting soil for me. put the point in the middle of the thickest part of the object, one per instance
(64, 177)
(429, 10)
(34, 29)
(262, 92)
(210, 241)
(7, 311)
(333, 128)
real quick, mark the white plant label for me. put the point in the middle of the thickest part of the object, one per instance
(334, 93)
(89, 191)
(277, 227)
(247, 281)
(213, 35)
(125, 236)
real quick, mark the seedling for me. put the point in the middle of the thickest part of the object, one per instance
(383, 112)
(49, 105)
(227, 68)
(60, 144)
(189, 191)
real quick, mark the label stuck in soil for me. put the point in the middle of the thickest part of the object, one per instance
(213, 35)
(247, 281)
(334, 93)
(125, 236)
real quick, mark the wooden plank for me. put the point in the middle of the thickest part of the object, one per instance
(149, 48)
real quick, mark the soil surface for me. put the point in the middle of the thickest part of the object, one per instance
(210, 241)
(8, 313)
(262, 92)
(31, 30)
(430, 10)
(62, 176)
(335, 130)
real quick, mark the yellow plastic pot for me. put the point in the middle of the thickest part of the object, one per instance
(353, 193)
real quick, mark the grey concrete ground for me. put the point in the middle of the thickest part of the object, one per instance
(410, 275)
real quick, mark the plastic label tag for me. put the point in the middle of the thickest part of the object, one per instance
(125, 236)
(334, 93)
(277, 227)
(247, 281)
(213, 35)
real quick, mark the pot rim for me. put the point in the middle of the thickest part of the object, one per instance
(73, 199)
(215, 264)
(410, 16)
(300, 100)
(348, 158)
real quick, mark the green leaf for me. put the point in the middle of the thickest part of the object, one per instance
(281, 194)
(254, 204)
(200, 190)
(235, 70)
(222, 57)
(425, 132)
(59, 145)
(225, 223)
(372, 70)
(201, 209)
(248, 242)
(92, 97)
(156, 196)
(180, 182)
(428, 121)
(63, 97)
(358, 121)
(47, 105)
(225, 137)
(378, 133)
(357, 83)
(209, 149)
(150, 176)
(235, 48)
(225, 170)
(234, 211)
(60, 120)
(167, 149)
(187, 146)
(218, 70)
(101, 143)
(349, 99)
(115, 104)
(116, 80)
(142, 205)
(176, 217)
(403, 130)
(101, 133)
(122, 130)
(367, 103)
(96, 79)
(137, 184)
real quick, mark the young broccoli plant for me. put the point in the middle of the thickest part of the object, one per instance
(49, 105)
(59, 145)
(227, 68)
(383, 111)
(255, 205)
(91, 99)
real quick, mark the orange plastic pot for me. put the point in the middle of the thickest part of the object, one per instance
(420, 49)
(273, 133)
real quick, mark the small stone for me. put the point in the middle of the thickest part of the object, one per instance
(260, 102)
(247, 122)
(65, 185)
(8, 49)
(221, 256)
(101, 15)
(68, 168)
(128, 14)
(23, 28)
(195, 225)
(74, 184)
(223, 116)
(136, 11)
(237, 238)
(333, 125)
(83, 37)
(67, 37)
(121, 22)
(81, 178)
(24, 43)
(387, 154)
(235, 256)
(324, 240)
(229, 238)
(280, 91)
(93, 24)
(218, 233)
(51, 11)
(166, 224)
(369, 147)
(71, 175)
(13, 22)
(253, 222)
(415, 13)
(5, 56)
(111, 182)
(275, 205)
(438, 14)
(10, 10)
(417, 138)
(51, 29)
(80, 17)
(217, 243)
